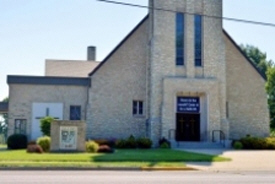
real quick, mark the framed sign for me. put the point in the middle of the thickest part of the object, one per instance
(188, 105)
(68, 137)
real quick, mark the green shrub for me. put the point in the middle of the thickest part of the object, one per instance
(45, 125)
(258, 143)
(17, 141)
(144, 143)
(272, 133)
(91, 147)
(164, 145)
(238, 145)
(162, 141)
(253, 143)
(270, 142)
(131, 142)
(121, 144)
(45, 143)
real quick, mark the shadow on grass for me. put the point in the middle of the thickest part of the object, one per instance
(3, 148)
(154, 157)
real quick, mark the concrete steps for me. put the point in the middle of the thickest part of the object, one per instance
(196, 145)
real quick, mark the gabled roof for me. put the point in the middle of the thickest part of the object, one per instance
(143, 20)
(244, 55)
(119, 45)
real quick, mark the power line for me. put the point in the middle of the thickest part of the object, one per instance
(188, 13)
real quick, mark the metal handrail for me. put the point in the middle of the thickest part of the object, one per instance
(222, 136)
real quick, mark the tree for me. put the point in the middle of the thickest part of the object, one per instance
(266, 67)
(45, 125)
(257, 57)
(270, 89)
(4, 121)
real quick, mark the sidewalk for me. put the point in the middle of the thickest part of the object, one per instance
(242, 160)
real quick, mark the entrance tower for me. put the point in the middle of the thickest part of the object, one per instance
(186, 69)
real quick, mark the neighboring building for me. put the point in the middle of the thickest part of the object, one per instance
(72, 68)
(176, 75)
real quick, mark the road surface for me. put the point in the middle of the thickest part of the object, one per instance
(134, 177)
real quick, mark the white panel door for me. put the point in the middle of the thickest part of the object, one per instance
(41, 110)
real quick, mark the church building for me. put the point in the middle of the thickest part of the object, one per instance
(178, 74)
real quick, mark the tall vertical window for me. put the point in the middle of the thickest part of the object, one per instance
(20, 126)
(137, 107)
(75, 112)
(179, 39)
(198, 40)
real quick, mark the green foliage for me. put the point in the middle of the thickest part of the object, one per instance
(270, 142)
(270, 89)
(266, 67)
(131, 142)
(91, 147)
(45, 125)
(121, 144)
(164, 145)
(5, 99)
(45, 143)
(272, 133)
(258, 143)
(144, 143)
(257, 57)
(238, 145)
(4, 123)
(17, 141)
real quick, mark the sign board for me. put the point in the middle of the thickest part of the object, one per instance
(188, 105)
(68, 137)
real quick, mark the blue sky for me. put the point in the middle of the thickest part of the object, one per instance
(34, 30)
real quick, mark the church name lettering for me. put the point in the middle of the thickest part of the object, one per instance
(188, 105)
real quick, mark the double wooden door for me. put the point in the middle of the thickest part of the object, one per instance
(188, 127)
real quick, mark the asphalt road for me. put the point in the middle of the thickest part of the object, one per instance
(134, 177)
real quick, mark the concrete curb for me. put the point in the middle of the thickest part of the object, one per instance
(168, 169)
(97, 169)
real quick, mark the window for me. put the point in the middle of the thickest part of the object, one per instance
(179, 39)
(20, 126)
(198, 40)
(137, 107)
(75, 112)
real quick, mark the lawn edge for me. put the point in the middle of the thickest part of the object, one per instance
(98, 168)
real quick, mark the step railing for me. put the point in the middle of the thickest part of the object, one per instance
(221, 136)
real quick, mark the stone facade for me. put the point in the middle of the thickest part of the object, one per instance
(119, 81)
(247, 100)
(21, 98)
(163, 68)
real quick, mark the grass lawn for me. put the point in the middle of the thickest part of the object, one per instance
(121, 158)
(3, 146)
